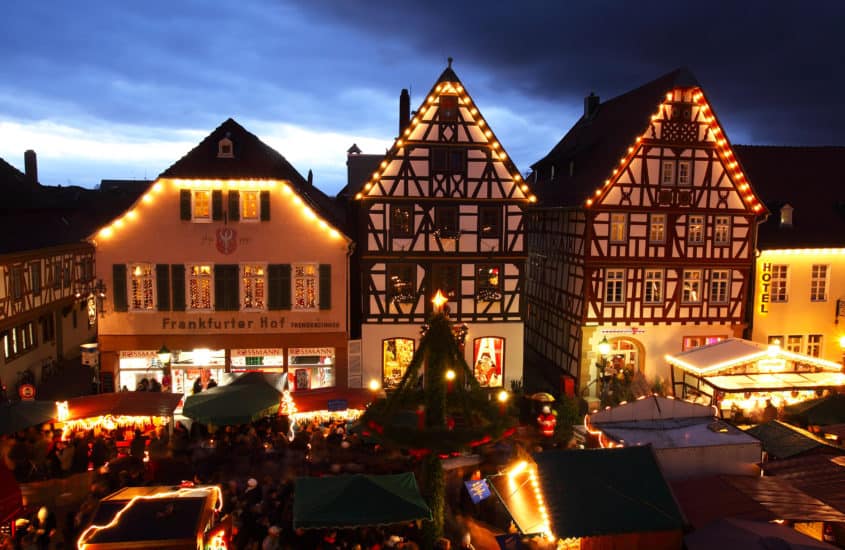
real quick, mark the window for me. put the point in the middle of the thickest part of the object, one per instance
(488, 221)
(55, 272)
(814, 345)
(779, 273)
(722, 230)
(199, 287)
(402, 221)
(446, 220)
(691, 292)
(253, 287)
(305, 287)
(775, 340)
(250, 205)
(19, 340)
(657, 228)
(448, 110)
(448, 160)
(18, 283)
(794, 343)
(67, 273)
(653, 292)
(141, 284)
(618, 227)
(402, 283)
(667, 172)
(695, 230)
(201, 204)
(684, 176)
(488, 283)
(691, 342)
(224, 149)
(488, 360)
(48, 328)
(719, 287)
(311, 368)
(818, 283)
(35, 277)
(445, 279)
(396, 356)
(614, 286)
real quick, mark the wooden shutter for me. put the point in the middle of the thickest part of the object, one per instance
(185, 204)
(226, 287)
(265, 206)
(325, 286)
(177, 282)
(119, 287)
(278, 286)
(163, 287)
(217, 205)
(234, 205)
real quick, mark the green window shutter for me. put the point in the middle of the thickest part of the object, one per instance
(119, 287)
(163, 287)
(278, 286)
(226, 287)
(325, 286)
(265, 206)
(185, 204)
(177, 281)
(217, 205)
(234, 205)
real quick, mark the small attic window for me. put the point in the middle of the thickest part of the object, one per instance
(448, 111)
(224, 149)
(786, 215)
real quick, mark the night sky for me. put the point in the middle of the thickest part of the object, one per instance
(114, 89)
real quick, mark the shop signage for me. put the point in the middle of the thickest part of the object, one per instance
(765, 286)
(26, 392)
(257, 352)
(627, 330)
(262, 323)
(311, 351)
(138, 354)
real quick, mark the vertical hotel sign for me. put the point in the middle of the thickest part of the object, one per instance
(765, 287)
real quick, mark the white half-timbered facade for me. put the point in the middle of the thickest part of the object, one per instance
(645, 237)
(443, 211)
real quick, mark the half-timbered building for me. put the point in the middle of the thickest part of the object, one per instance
(443, 211)
(644, 238)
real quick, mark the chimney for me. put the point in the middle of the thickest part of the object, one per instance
(591, 105)
(404, 110)
(30, 163)
(310, 177)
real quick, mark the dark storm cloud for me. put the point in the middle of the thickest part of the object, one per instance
(772, 69)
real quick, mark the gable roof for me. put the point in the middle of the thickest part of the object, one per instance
(593, 492)
(811, 180)
(782, 440)
(11, 176)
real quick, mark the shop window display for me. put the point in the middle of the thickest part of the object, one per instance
(397, 354)
(311, 368)
(488, 358)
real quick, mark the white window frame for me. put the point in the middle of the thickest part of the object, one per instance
(244, 193)
(306, 280)
(614, 286)
(259, 284)
(695, 236)
(794, 343)
(780, 283)
(818, 282)
(143, 296)
(194, 216)
(720, 280)
(618, 227)
(667, 172)
(657, 225)
(653, 279)
(691, 286)
(190, 277)
(684, 180)
(722, 230)
(814, 345)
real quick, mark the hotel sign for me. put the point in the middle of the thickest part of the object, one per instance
(765, 287)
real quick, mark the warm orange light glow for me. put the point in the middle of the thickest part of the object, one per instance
(450, 375)
(374, 385)
(503, 396)
(438, 300)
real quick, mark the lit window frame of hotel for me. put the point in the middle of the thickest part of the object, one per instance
(814, 345)
(721, 231)
(197, 214)
(193, 299)
(720, 280)
(779, 284)
(794, 343)
(255, 282)
(301, 280)
(142, 287)
(819, 282)
(249, 202)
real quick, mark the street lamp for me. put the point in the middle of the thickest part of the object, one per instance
(163, 355)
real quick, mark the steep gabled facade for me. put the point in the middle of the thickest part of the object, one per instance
(232, 262)
(443, 211)
(645, 234)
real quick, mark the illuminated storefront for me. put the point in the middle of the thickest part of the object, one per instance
(396, 356)
(488, 361)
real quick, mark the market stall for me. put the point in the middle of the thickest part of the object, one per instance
(20, 415)
(249, 397)
(743, 378)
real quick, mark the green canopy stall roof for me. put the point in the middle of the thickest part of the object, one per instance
(357, 500)
(248, 398)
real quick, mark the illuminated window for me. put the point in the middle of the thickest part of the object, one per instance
(653, 293)
(778, 284)
(794, 343)
(402, 221)
(695, 230)
(141, 287)
(719, 287)
(722, 230)
(488, 360)
(305, 287)
(657, 228)
(253, 286)
(19, 340)
(396, 356)
(691, 292)
(201, 204)
(311, 368)
(250, 205)
(691, 342)
(618, 227)
(667, 172)
(818, 283)
(614, 291)
(775, 340)
(684, 175)
(814, 345)
(200, 283)
(402, 283)
(488, 283)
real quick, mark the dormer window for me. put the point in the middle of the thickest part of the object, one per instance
(786, 215)
(224, 149)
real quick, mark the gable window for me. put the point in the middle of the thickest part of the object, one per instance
(684, 175)
(201, 204)
(448, 110)
(614, 290)
(200, 284)
(779, 274)
(814, 345)
(253, 287)
(402, 283)
(618, 227)
(719, 287)
(305, 287)
(722, 230)
(653, 293)
(444, 277)
(448, 160)
(488, 222)
(224, 149)
(667, 172)
(250, 205)
(818, 283)
(402, 221)
(695, 230)
(691, 290)
(141, 285)
(488, 283)
(657, 228)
